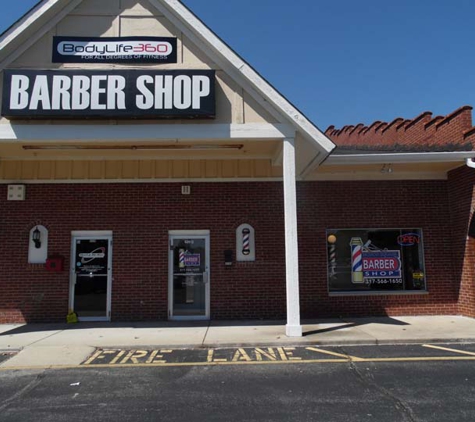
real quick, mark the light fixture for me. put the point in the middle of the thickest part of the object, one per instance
(36, 237)
(175, 147)
(386, 169)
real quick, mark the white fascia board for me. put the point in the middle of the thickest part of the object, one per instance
(21, 29)
(403, 157)
(231, 63)
(157, 132)
(33, 15)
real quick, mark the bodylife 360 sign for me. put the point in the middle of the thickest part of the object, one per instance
(133, 94)
(115, 50)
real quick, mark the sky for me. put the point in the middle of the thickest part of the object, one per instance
(345, 62)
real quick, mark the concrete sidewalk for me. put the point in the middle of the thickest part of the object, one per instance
(61, 344)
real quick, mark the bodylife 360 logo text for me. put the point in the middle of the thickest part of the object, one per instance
(115, 50)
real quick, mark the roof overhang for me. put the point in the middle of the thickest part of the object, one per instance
(315, 144)
(400, 157)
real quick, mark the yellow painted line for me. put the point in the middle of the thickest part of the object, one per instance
(93, 357)
(463, 352)
(327, 352)
(287, 362)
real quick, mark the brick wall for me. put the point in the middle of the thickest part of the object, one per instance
(462, 203)
(140, 216)
(410, 204)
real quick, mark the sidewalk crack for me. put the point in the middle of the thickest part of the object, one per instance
(45, 338)
(206, 335)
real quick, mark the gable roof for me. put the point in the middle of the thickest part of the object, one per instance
(42, 17)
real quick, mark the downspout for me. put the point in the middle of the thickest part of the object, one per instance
(470, 163)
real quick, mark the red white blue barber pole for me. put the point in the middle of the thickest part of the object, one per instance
(246, 245)
(356, 245)
(181, 262)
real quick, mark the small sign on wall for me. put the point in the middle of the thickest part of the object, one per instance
(114, 50)
(245, 243)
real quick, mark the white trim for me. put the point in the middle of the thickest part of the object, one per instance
(87, 234)
(217, 50)
(376, 175)
(189, 234)
(29, 18)
(240, 71)
(402, 157)
(157, 132)
(294, 327)
(311, 166)
(239, 155)
(97, 235)
(170, 180)
(182, 233)
(10, 37)
(325, 177)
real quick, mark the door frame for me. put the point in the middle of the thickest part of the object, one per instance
(87, 235)
(189, 234)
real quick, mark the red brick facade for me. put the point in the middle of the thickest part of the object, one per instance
(140, 216)
(462, 203)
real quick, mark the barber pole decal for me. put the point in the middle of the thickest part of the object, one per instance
(182, 259)
(356, 245)
(332, 259)
(246, 250)
(245, 243)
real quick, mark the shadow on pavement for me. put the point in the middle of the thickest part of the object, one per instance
(357, 322)
(335, 325)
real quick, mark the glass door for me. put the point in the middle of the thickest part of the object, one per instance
(91, 278)
(189, 277)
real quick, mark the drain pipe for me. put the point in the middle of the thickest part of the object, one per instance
(470, 163)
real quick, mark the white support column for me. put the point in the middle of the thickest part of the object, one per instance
(293, 328)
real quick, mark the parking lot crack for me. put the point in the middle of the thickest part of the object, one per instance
(25, 390)
(404, 409)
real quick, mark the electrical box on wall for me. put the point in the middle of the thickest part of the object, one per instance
(228, 258)
(16, 192)
(245, 243)
(186, 190)
(55, 264)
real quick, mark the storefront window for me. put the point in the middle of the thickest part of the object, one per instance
(375, 260)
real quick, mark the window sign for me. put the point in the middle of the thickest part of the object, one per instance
(91, 257)
(375, 260)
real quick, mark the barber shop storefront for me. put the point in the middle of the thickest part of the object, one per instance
(148, 173)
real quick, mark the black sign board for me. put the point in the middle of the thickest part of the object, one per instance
(114, 50)
(127, 94)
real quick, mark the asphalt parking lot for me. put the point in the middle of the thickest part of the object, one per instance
(416, 383)
(281, 355)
